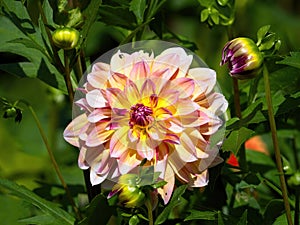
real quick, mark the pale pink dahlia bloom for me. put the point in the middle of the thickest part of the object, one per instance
(144, 107)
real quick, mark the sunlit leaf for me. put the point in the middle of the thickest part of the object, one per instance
(236, 139)
(60, 216)
(175, 200)
(138, 7)
(292, 60)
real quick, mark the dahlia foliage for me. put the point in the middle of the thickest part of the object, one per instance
(141, 106)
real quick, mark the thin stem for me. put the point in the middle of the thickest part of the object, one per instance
(52, 158)
(236, 95)
(276, 146)
(67, 77)
(57, 60)
(149, 209)
(92, 191)
(297, 208)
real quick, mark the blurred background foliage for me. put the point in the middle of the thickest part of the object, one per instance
(23, 157)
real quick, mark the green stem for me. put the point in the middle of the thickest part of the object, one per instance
(67, 77)
(276, 145)
(236, 95)
(296, 216)
(52, 158)
(57, 60)
(149, 209)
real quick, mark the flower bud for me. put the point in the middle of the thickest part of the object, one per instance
(13, 112)
(294, 180)
(65, 38)
(243, 57)
(130, 194)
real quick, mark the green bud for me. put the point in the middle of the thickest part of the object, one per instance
(294, 180)
(65, 38)
(10, 113)
(131, 196)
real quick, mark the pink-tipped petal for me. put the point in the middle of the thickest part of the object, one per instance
(95, 99)
(167, 190)
(117, 99)
(98, 136)
(139, 71)
(119, 142)
(72, 131)
(185, 86)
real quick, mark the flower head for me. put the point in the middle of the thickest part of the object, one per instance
(141, 107)
(243, 57)
(66, 38)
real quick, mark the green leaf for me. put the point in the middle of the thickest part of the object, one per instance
(90, 15)
(123, 19)
(60, 216)
(236, 139)
(134, 220)
(215, 16)
(40, 219)
(99, 205)
(222, 2)
(268, 42)
(220, 219)
(261, 33)
(273, 209)
(201, 215)
(138, 7)
(206, 3)
(281, 220)
(292, 60)
(29, 44)
(243, 220)
(175, 201)
(204, 15)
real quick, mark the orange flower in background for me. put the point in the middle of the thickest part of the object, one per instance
(144, 107)
(254, 144)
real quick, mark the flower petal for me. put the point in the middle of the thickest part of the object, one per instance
(131, 92)
(148, 89)
(99, 114)
(185, 86)
(167, 190)
(128, 161)
(205, 80)
(117, 99)
(99, 135)
(118, 80)
(185, 106)
(95, 99)
(77, 126)
(186, 150)
(119, 142)
(139, 71)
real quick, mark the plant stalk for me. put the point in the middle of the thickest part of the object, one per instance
(52, 158)
(149, 209)
(276, 146)
(236, 95)
(67, 77)
(297, 207)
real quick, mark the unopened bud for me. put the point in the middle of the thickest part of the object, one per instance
(243, 57)
(65, 38)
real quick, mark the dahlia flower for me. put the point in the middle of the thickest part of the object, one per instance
(140, 106)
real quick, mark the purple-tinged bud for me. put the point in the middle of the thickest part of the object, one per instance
(243, 57)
